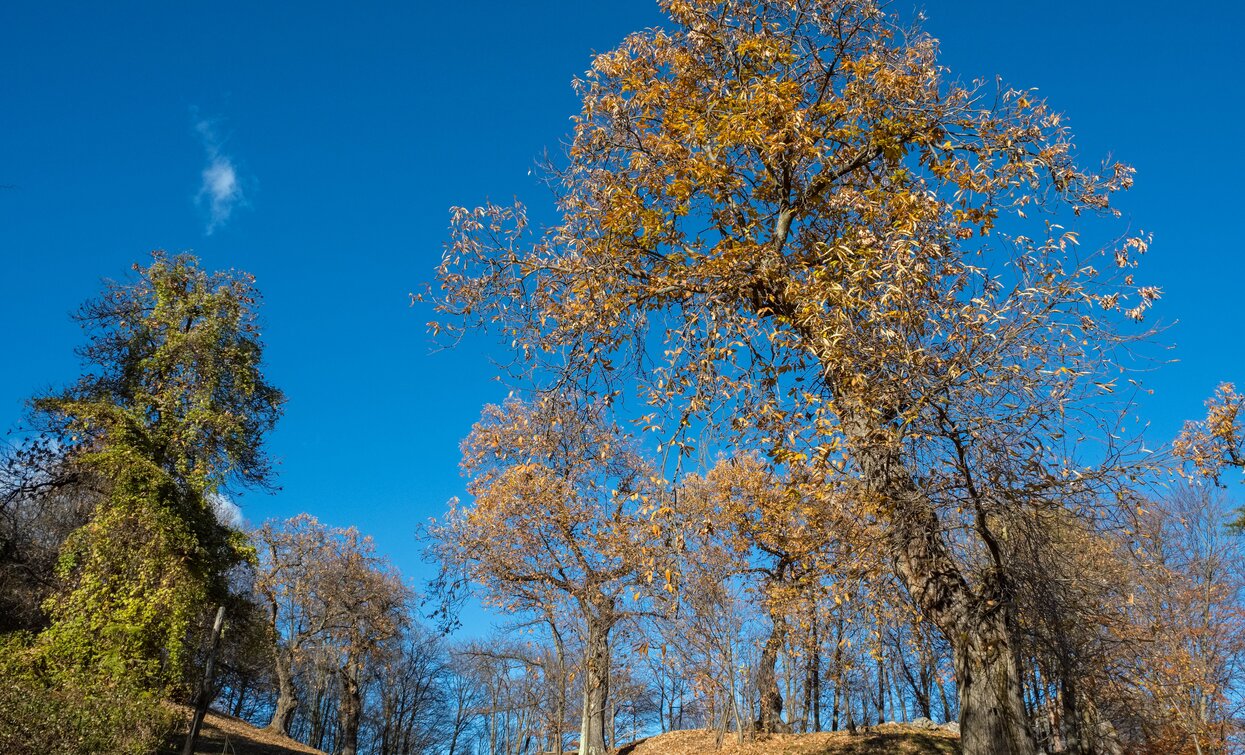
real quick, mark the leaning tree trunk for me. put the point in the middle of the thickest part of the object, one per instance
(596, 690)
(977, 625)
(770, 718)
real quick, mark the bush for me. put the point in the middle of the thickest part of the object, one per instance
(73, 713)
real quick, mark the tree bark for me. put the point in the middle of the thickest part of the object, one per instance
(596, 690)
(812, 679)
(287, 693)
(204, 698)
(770, 718)
(349, 709)
(837, 668)
(977, 624)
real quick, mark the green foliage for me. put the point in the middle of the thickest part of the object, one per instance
(68, 713)
(135, 591)
(174, 381)
(171, 412)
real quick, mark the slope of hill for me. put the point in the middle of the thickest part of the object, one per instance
(898, 739)
(233, 736)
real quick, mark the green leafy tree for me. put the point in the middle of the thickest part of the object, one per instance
(170, 414)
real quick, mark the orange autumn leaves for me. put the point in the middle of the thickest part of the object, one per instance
(1216, 442)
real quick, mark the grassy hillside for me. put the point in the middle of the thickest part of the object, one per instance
(893, 739)
(226, 734)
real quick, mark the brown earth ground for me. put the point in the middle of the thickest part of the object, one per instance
(226, 735)
(887, 738)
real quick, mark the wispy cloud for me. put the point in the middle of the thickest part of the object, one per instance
(227, 512)
(221, 189)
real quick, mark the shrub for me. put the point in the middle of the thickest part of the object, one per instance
(74, 713)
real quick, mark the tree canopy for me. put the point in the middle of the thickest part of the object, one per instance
(171, 411)
(786, 220)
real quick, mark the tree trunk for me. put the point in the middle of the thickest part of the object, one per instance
(287, 693)
(204, 697)
(1070, 718)
(946, 702)
(837, 668)
(976, 624)
(812, 678)
(894, 691)
(317, 719)
(348, 710)
(239, 702)
(923, 682)
(816, 671)
(992, 714)
(881, 700)
(559, 714)
(596, 690)
(770, 718)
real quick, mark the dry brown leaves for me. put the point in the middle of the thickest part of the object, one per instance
(221, 733)
(887, 738)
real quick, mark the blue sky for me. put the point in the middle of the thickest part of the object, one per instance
(319, 146)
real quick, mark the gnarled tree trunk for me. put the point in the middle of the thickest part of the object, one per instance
(287, 694)
(349, 709)
(770, 718)
(992, 714)
(977, 624)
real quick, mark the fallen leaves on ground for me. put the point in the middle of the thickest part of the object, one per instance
(896, 739)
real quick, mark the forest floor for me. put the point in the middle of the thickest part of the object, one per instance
(887, 738)
(226, 735)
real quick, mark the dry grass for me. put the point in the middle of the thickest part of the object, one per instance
(226, 735)
(888, 738)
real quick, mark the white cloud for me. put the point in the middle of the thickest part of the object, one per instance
(221, 189)
(227, 512)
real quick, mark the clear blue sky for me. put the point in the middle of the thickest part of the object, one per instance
(335, 136)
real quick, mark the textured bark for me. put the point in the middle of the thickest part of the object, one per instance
(770, 718)
(976, 623)
(837, 670)
(596, 690)
(349, 709)
(992, 714)
(287, 694)
(812, 680)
